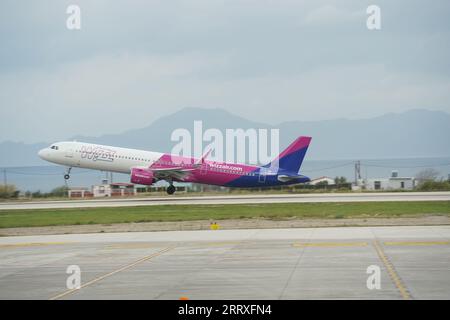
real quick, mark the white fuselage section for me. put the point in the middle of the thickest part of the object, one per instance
(98, 157)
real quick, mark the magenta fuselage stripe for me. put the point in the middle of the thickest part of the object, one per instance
(228, 174)
(210, 172)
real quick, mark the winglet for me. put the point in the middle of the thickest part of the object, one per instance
(202, 160)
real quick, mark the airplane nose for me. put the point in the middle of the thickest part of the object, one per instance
(41, 154)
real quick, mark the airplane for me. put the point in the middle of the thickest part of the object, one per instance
(146, 168)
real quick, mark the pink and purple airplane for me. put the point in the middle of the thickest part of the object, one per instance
(147, 167)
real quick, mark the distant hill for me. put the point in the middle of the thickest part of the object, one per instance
(415, 133)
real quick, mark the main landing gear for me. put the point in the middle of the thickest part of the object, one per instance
(170, 189)
(67, 175)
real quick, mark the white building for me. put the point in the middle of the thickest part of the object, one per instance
(394, 182)
(79, 192)
(329, 181)
(114, 189)
(102, 190)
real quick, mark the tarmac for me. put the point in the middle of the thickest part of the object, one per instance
(231, 199)
(411, 262)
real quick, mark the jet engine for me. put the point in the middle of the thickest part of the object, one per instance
(142, 176)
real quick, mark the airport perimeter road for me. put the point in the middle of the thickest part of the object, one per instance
(232, 199)
(306, 263)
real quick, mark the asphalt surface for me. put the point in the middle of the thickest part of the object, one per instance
(232, 199)
(306, 263)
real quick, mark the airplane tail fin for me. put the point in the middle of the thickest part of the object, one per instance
(292, 157)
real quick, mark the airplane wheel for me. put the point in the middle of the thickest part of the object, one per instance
(170, 189)
(66, 176)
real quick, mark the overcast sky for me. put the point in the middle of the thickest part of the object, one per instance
(272, 61)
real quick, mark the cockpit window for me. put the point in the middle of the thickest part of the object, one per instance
(54, 147)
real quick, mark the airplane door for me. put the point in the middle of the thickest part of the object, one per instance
(262, 175)
(69, 157)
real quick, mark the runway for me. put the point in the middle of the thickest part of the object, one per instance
(231, 199)
(306, 263)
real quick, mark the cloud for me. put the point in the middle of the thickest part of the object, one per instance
(109, 94)
(270, 61)
(98, 95)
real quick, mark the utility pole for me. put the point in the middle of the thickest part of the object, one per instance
(357, 172)
(5, 179)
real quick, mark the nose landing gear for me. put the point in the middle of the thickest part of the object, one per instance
(67, 175)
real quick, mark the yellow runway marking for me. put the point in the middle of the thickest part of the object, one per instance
(392, 273)
(330, 244)
(31, 244)
(126, 267)
(416, 243)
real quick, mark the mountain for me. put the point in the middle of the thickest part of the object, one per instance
(415, 133)
(157, 135)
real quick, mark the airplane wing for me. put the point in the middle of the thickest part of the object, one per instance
(171, 172)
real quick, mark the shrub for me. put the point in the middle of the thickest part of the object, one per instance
(434, 186)
(8, 191)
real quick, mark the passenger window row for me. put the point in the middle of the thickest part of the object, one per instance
(119, 156)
